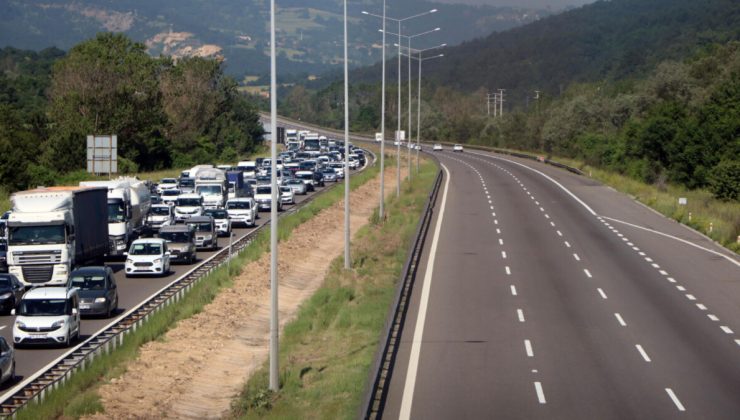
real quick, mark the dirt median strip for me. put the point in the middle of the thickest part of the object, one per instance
(202, 363)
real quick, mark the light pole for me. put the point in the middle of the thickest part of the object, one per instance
(409, 38)
(398, 140)
(347, 263)
(274, 325)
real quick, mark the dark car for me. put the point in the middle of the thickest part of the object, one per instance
(11, 292)
(7, 361)
(318, 179)
(3, 257)
(156, 199)
(97, 290)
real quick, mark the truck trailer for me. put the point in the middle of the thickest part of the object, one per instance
(53, 230)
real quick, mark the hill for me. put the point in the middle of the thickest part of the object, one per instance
(308, 34)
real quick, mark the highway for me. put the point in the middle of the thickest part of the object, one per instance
(544, 294)
(132, 291)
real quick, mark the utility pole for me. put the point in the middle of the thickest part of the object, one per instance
(347, 262)
(501, 102)
(537, 103)
(274, 325)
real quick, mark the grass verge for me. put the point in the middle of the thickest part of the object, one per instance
(327, 350)
(79, 396)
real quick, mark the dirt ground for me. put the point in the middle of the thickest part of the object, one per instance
(203, 362)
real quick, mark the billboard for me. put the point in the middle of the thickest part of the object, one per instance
(102, 154)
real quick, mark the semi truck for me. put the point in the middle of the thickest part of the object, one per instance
(237, 187)
(212, 186)
(52, 230)
(129, 202)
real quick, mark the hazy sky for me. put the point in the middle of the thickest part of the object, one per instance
(554, 4)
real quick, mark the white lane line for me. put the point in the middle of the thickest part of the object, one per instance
(675, 399)
(701, 306)
(541, 209)
(500, 241)
(588, 273)
(495, 222)
(528, 348)
(508, 270)
(681, 288)
(408, 390)
(671, 279)
(690, 297)
(540, 393)
(491, 207)
(520, 315)
(625, 240)
(642, 352)
(635, 248)
(642, 254)
(560, 233)
(537, 202)
(648, 259)
(655, 265)
(737, 342)
(552, 224)
(726, 329)
(498, 231)
(619, 318)
(601, 292)
(620, 235)
(663, 272)
(513, 290)
(630, 244)
(576, 257)
(728, 258)
(567, 244)
(546, 216)
(713, 317)
(2, 327)
(503, 254)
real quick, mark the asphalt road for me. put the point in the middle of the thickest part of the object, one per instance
(543, 304)
(132, 291)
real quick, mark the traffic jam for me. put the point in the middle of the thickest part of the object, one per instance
(63, 248)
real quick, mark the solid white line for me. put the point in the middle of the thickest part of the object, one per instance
(588, 273)
(513, 290)
(408, 390)
(2, 327)
(601, 292)
(567, 244)
(520, 314)
(508, 270)
(675, 399)
(576, 257)
(619, 318)
(728, 258)
(726, 329)
(540, 393)
(713, 317)
(528, 348)
(642, 352)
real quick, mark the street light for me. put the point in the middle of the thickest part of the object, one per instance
(398, 130)
(274, 325)
(347, 264)
(409, 38)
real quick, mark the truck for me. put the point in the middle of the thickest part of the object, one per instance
(311, 142)
(129, 202)
(53, 230)
(211, 184)
(237, 187)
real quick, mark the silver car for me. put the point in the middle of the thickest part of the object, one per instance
(298, 186)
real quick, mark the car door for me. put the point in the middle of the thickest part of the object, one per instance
(18, 289)
(112, 292)
(6, 360)
(166, 256)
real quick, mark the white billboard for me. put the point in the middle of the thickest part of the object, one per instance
(102, 154)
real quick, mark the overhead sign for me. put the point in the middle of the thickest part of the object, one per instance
(102, 154)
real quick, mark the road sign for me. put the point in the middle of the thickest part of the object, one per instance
(378, 137)
(102, 154)
(400, 135)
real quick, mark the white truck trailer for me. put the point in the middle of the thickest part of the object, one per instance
(212, 186)
(52, 230)
(129, 201)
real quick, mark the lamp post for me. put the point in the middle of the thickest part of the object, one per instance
(347, 263)
(398, 140)
(409, 38)
(274, 325)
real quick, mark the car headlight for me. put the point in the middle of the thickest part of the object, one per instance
(58, 324)
(20, 325)
(157, 261)
(100, 300)
(129, 261)
(6, 295)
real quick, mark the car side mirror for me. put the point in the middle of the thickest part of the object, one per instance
(74, 311)
(125, 254)
(12, 311)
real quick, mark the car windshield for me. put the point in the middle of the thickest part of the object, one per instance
(28, 235)
(286, 189)
(178, 237)
(93, 282)
(208, 189)
(146, 249)
(238, 205)
(264, 190)
(161, 211)
(5, 281)
(170, 193)
(187, 182)
(116, 212)
(188, 202)
(203, 227)
(168, 181)
(217, 214)
(304, 176)
(43, 307)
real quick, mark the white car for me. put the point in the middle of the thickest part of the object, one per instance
(169, 197)
(263, 198)
(167, 184)
(47, 315)
(286, 195)
(457, 148)
(242, 210)
(160, 215)
(148, 256)
(437, 147)
(338, 168)
(221, 219)
(187, 206)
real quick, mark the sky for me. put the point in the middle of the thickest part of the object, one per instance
(540, 4)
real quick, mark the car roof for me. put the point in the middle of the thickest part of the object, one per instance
(175, 228)
(240, 199)
(148, 241)
(199, 219)
(189, 195)
(91, 270)
(48, 293)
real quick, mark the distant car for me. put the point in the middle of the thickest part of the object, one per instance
(221, 218)
(286, 195)
(457, 148)
(97, 289)
(180, 242)
(47, 315)
(148, 256)
(7, 361)
(167, 184)
(156, 199)
(187, 206)
(329, 175)
(242, 210)
(263, 198)
(11, 292)
(298, 186)
(170, 196)
(160, 215)
(186, 185)
(3, 257)
(437, 147)
(205, 232)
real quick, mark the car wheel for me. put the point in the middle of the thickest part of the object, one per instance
(68, 340)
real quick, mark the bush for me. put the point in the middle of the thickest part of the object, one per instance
(724, 180)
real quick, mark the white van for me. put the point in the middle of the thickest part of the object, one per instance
(47, 315)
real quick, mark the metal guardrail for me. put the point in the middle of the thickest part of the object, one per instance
(110, 337)
(382, 367)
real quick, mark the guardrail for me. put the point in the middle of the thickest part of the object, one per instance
(106, 340)
(382, 367)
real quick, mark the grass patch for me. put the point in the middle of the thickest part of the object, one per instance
(79, 395)
(326, 352)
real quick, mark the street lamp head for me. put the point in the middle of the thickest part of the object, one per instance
(365, 13)
(443, 45)
(437, 29)
(433, 11)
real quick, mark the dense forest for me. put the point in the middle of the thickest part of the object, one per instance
(165, 113)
